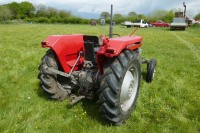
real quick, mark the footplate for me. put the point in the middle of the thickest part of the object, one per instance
(74, 99)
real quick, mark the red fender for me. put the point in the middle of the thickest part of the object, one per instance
(67, 48)
(114, 46)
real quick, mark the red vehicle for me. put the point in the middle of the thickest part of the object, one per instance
(107, 69)
(197, 21)
(160, 23)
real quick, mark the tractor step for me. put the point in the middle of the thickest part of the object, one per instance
(74, 99)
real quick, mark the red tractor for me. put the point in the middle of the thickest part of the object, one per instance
(107, 69)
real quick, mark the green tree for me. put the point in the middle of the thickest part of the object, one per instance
(141, 16)
(41, 11)
(166, 16)
(197, 16)
(64, 14)
(105, 15)
(118, 18)
(169, 16)
(160, 14)
(15, 8)
(21, 10)
(5, 13)
(52, 12)
(26, 9)
(132, 14)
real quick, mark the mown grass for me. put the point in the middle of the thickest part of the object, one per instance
(171, 103)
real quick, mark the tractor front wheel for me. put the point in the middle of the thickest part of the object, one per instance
(119, 87)
(151, 70)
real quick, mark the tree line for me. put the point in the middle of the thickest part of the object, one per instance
(164, 15)
(38, 14)
(42, 14)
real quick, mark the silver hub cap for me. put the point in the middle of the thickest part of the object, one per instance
(154, 71)
(129, 88)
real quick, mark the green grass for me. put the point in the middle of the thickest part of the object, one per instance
(171, 103)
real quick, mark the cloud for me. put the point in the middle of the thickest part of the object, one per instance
(120, 6)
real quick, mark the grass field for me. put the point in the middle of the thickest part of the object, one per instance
(171, 103)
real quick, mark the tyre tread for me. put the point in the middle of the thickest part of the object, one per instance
(110, 87)
(50, 84)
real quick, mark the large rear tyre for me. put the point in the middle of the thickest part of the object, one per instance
(119, 87)
(52, 83)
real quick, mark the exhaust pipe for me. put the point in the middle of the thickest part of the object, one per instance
(111, 28)
(184, 9)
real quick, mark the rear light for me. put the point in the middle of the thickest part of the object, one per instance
(44, 44)
(134, 46)
(110, 51)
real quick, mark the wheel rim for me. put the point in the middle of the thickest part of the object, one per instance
(154, 72)
(129, 88)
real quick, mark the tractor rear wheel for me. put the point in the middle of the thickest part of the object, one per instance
(51, 83)
(119, 87)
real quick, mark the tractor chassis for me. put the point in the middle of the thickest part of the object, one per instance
(74, 75)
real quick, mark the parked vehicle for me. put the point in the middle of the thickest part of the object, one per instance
(128, 24)
(197, 21)
(93, 22)
(160, 23)
(103, 68)
(102, 21)
(141, 23)
(178, 23)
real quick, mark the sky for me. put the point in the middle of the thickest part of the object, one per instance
(93, 8)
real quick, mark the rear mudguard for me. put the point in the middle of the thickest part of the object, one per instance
(114, 46)
(67, 48)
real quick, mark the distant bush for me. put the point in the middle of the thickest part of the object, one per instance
(29, 20)
(197, 16)
(195, 25)
(75, 20)
(16, 21)
(6, 22)
(53, 20)
(85, 21)
(42, 20)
